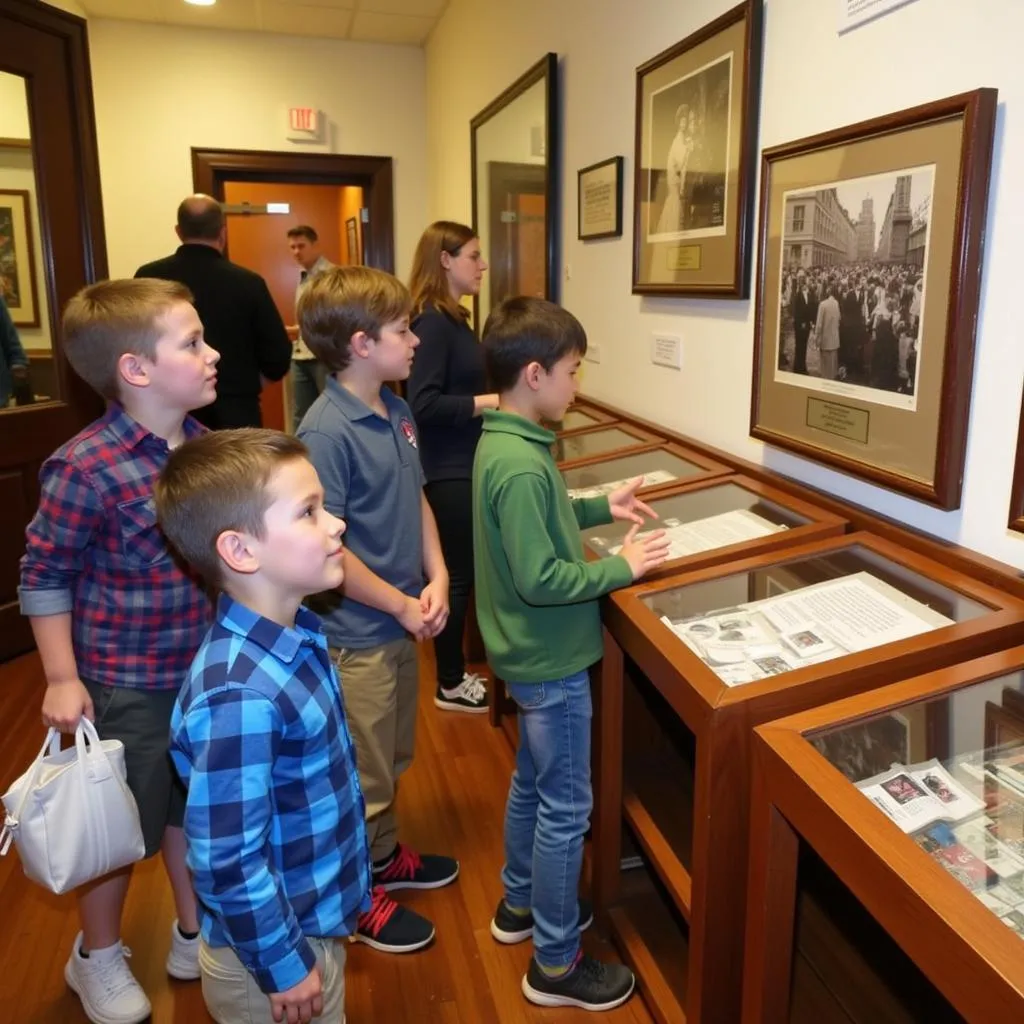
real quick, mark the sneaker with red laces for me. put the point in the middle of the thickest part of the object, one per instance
(392, 928)
(407, 869)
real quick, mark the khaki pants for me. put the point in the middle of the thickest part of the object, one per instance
(233, 997)
(379, 686)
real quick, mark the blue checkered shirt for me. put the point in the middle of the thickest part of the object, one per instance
(275, 816)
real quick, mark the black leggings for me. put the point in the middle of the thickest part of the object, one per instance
(452, 504)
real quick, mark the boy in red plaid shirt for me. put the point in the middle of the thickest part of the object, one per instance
(116, 618)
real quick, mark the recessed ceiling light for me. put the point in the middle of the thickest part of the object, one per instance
(201, 3)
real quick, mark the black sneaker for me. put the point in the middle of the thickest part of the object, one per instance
(511, 928)
(469, 695)
(590, 985)
(408, 869)
(392, 928)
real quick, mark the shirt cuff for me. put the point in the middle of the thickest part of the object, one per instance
(45, 602)
(287, 972)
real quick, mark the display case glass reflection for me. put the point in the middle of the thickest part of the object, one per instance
(769, 621)
(589, 443)
(958, 791)
(658, 467)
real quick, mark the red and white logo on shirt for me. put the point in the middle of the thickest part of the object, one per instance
(408, 431)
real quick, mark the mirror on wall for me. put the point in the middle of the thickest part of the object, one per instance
(514, 150)
(27, 374)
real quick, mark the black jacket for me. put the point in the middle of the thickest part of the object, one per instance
(239, 317)
(447, 371)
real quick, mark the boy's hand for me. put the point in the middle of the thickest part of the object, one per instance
(64, 704)
(646, 552)
(411, 618)
(303, 1002)
(625, 505)
(434, 604)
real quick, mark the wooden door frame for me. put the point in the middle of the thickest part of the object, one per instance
(67, 183)
(211, 168)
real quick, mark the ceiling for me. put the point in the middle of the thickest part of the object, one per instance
(368, 21)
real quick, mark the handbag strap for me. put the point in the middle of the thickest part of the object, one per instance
(52, 745)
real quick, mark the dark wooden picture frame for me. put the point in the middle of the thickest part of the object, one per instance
(918, 447)
(542, 179)
(21, 243)
(617, 163)
(702, 265)
(1016, 518)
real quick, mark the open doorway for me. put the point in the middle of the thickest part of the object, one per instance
(259, 242)
(330, 192)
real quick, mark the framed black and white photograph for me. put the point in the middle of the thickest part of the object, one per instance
(599, 200)
(696, 130)
(871, 243)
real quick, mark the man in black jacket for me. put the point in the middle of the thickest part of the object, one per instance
(239, 317)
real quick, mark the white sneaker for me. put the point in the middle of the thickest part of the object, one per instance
(183, 959)
(105, 984)
(470, 695)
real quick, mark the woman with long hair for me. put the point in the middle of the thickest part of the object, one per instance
(447, 393)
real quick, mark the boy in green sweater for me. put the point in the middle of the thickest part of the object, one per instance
(537, 606)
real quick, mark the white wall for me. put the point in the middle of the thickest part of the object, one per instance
(161, 90)
(813, 80)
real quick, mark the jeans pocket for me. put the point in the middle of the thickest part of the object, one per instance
(225, 987)
(526, 695)
(101, 707)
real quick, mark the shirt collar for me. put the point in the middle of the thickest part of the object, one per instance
(130, 433)
(498, 422)
(280, 641)
(354, 408)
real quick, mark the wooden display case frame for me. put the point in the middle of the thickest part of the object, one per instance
(961, 947)
(643, 440)
(821, 524)
(599, 416)
(712, 896)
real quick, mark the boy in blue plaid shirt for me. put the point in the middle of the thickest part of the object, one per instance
(274, 816)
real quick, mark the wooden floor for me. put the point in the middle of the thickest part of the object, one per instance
(451, 801)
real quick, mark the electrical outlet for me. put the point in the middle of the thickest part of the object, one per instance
(568, 272)
(667, 350)
(593, 353)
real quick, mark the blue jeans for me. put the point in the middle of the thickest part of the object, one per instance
(308, 377)
(548, 812)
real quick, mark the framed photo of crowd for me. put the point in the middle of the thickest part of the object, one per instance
(870, 253)
(696, 150)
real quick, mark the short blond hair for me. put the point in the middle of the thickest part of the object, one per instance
(216, 482)
(104, 321)
(342, 301)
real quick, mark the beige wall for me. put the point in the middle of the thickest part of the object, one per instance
(161, 90)
(813, 80)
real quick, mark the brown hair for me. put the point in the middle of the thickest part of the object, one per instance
(217, 482)
(341, 302)
(524, 330)
(303, 231)
(428, 282)
(108, 319)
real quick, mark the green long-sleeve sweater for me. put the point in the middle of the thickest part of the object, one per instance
(536, 595)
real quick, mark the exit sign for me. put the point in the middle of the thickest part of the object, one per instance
(305, 124)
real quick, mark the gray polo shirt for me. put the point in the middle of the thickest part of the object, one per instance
(371, 475)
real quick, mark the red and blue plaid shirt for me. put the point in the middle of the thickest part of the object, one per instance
(95, 550)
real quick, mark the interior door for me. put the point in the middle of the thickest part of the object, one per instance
(51, 244)
(517, 255)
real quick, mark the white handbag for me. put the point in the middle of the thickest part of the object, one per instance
(71, 815)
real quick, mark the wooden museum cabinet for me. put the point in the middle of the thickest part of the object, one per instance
(766, 636)
(887, 854)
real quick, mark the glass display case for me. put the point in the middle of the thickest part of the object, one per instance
(604, 439)
(579, 416)
(909, 801)
(712, 521)
(662, 466)
(692, 663)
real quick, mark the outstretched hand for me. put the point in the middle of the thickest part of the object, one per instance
(625, 505)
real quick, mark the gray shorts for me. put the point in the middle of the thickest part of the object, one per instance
(141, 720)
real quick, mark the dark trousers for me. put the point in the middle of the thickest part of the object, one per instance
(802, 334)
(452, 505)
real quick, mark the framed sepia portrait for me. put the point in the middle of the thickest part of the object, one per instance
(599, 200)
(17, 260)
(1016, 518)
(696, 134)
(870, 255)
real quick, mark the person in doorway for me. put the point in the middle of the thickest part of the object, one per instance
(308, 373)
(13, 361)
(447, 394)
(239, 317)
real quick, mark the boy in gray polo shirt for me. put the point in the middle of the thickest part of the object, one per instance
(362, 441)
